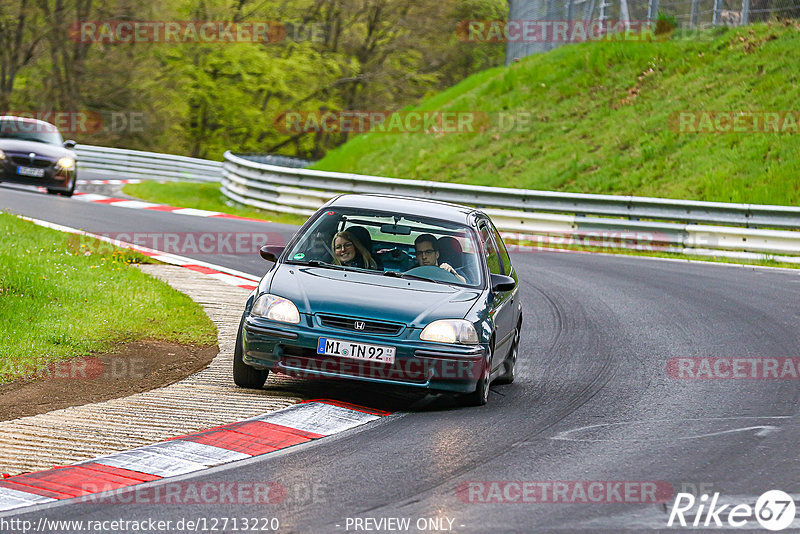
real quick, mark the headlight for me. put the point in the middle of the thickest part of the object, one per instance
(276, 309)
(450, 331)
(2, 155)
(66, 163)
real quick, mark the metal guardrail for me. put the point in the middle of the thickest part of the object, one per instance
(549, 217)
(121, 164)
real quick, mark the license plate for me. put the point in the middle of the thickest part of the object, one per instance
(30, 171)
(356, 351)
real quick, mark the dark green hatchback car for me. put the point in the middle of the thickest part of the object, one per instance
(386, 289)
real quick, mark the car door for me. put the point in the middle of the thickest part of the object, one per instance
(502, 303)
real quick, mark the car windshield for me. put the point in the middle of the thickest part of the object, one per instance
(29, 130)
(390, 244)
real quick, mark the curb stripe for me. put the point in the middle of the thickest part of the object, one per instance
(133, 475)
(300, 423)
(231, 277)
(142, 205)
(253, 438)
(33, 490)
(153, 463)
(18, 499)
(350, 406)
(319, 418)
(107, 182)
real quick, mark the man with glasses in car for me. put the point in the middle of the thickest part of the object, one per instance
(427, 251)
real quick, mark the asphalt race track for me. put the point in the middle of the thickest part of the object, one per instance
(593, 402)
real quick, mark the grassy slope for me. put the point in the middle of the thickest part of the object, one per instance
(64, 296)
(585, 139)
(204, 196)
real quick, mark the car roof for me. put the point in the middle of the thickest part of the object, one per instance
(407, 206)
(27, 120)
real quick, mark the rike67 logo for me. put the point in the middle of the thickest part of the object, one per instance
(774, 510)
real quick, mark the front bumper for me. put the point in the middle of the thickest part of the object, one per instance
(291, 349)
(54, 178)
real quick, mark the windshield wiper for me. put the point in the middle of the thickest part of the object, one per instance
(317, 263)
(396, 274)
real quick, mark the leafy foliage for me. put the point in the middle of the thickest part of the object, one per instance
(202, 98)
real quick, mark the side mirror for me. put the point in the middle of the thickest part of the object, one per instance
(502, 283)
(69, 143)
(271, 252)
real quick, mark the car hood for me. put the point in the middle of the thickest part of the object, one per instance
(412, 302)
(41, 149)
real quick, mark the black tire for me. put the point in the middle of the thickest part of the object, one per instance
(245, 376)
(480, 396)
(511, 360)
(68, 193)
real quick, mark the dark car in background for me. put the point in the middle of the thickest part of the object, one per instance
(33, 152)
(450, 325)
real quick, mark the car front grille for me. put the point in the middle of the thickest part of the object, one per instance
(26, 161)
(369, 327)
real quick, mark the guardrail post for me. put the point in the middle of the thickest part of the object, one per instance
(745, 18)
(652, 10)
(717, 10)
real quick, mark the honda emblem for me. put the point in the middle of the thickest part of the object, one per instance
(359, 325)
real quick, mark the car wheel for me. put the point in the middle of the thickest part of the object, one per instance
(245, 376)
(69, 192)
(511, 361)
(480, 396)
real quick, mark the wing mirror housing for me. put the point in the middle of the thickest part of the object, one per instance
(271, 252)
(502, 283)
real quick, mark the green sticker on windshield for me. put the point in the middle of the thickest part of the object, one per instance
(299, 256)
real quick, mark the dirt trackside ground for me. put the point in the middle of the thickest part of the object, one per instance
(130, 368)
(194, 400)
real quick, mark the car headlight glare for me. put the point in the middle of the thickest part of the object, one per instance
(275, 308)
(65, 163)
(2, 155)
(450, 331)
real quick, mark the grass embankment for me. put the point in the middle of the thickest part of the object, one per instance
(600, 122)
(204, 196)
(62, 296)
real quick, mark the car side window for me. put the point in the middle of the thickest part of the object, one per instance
(490, 251)
(502, 249)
